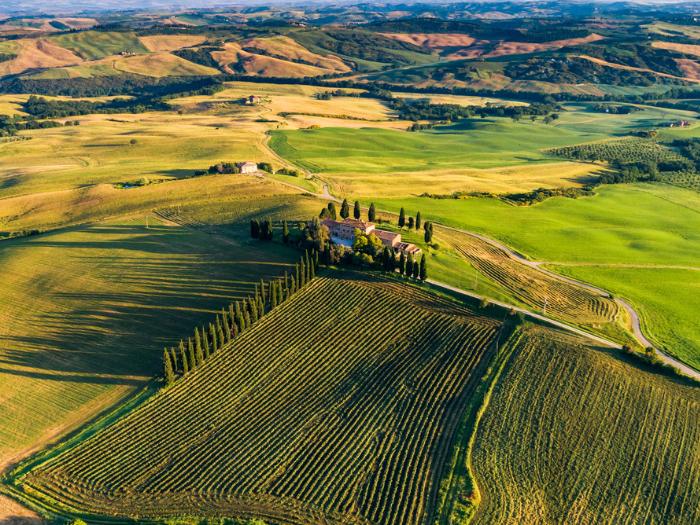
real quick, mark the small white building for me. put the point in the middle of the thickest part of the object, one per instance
(247, 167)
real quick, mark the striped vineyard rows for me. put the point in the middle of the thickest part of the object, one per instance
(337, 407)
(594, 440)
(535, 288)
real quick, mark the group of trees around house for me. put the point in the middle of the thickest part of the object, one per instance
(228, 168)
(240, 315)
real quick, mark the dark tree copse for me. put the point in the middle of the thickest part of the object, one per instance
(255, 228)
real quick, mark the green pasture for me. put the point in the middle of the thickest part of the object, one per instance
(470, 143)
(640, 226)
(93, 45)
(127, 287)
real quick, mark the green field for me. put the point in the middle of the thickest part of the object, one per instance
(128, 285)
(359, 440)
(644, 226)
(575, 435)
(93, 45)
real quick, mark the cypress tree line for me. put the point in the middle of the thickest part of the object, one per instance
(372, 213)
(234, 320)
(332, 213)
(356, 211)
(285, 232)
(345, 209)
(410, 223)
(416, 270)
(409, 265)
(168, 368)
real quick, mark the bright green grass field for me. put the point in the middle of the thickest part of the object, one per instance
(473, 143)
(93, 45)
(646, 226)
(128, 287)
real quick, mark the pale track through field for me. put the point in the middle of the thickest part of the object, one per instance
(537, 265)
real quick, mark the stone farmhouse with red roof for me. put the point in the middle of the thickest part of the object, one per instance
(343, 232)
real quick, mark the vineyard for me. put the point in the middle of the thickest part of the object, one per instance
(359, 439)
(593, 439)
(623, 150)
(535, 288)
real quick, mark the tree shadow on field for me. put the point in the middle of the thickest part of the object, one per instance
(128, 292)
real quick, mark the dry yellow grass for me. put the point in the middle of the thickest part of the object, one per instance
(434, 40)
(12, 513)
(686, 49)
(161, 65)
(511, 179)
(233, 57)
(460, 100)
(36, 53)
(514, 48)
(157, 43)
(624, 67)
(292, 50)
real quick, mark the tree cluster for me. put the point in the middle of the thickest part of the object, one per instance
(240, 315)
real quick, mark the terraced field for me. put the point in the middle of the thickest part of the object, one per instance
(533, 287)
(592, 440)
(359, 440)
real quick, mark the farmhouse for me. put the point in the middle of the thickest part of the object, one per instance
(343, 232)
(247, 167)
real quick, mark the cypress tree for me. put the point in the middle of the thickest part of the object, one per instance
(416, 269)
(345, 209)
(214, 338)
(312, 271)
(423, 269)
(332, 213)
(246, 317)
(280, 293)
(316, 259)
(428, 236)
(173, 359)
(255, 228)
(273, 295)
(297, 276)
(261, 307)
(191, 352)
(285, 232)
(183, 358)
(409, 265)
(220, 335)
(253, 308)
(302, 274)
(168, 372)
(225, 326)
(372, 213)
(207, 348)
(199, 355)
(356, 211)
(418, 221)
(286, 280)
(386, 265)
(402, 263)
(402, 218)
(410, 223)
(197, 343)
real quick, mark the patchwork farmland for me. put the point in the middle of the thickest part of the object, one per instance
(360, 439)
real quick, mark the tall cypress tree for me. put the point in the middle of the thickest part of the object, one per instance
(192, 354)
(206, 347)
(428, 236)
(423, 274)
(285, 232)
(302, 274)
(280, 293)
(372, 213)
(246, 317)
(273, 295)
(183, 358)
(173, 360)
(199, 355)
(402, 218)
(255, 228)
(253, 309)
(214, 338)
(332, 213)
(263, 292)
(297, 276)
(402, 263)
(225, 326)
(345, 209)
(416, 270)
(409, 265)
(220, 337)
(356, 212)
(197, 342)
(168, 371)
(418, 220)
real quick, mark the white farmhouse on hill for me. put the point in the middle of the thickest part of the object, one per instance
(247, 167)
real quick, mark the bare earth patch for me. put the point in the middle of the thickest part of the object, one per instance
(12, 513)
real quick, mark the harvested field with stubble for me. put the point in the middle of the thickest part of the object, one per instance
(360, 439)
(594, 439)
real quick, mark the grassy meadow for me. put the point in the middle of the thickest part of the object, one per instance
(639, 227)
(128, 287)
